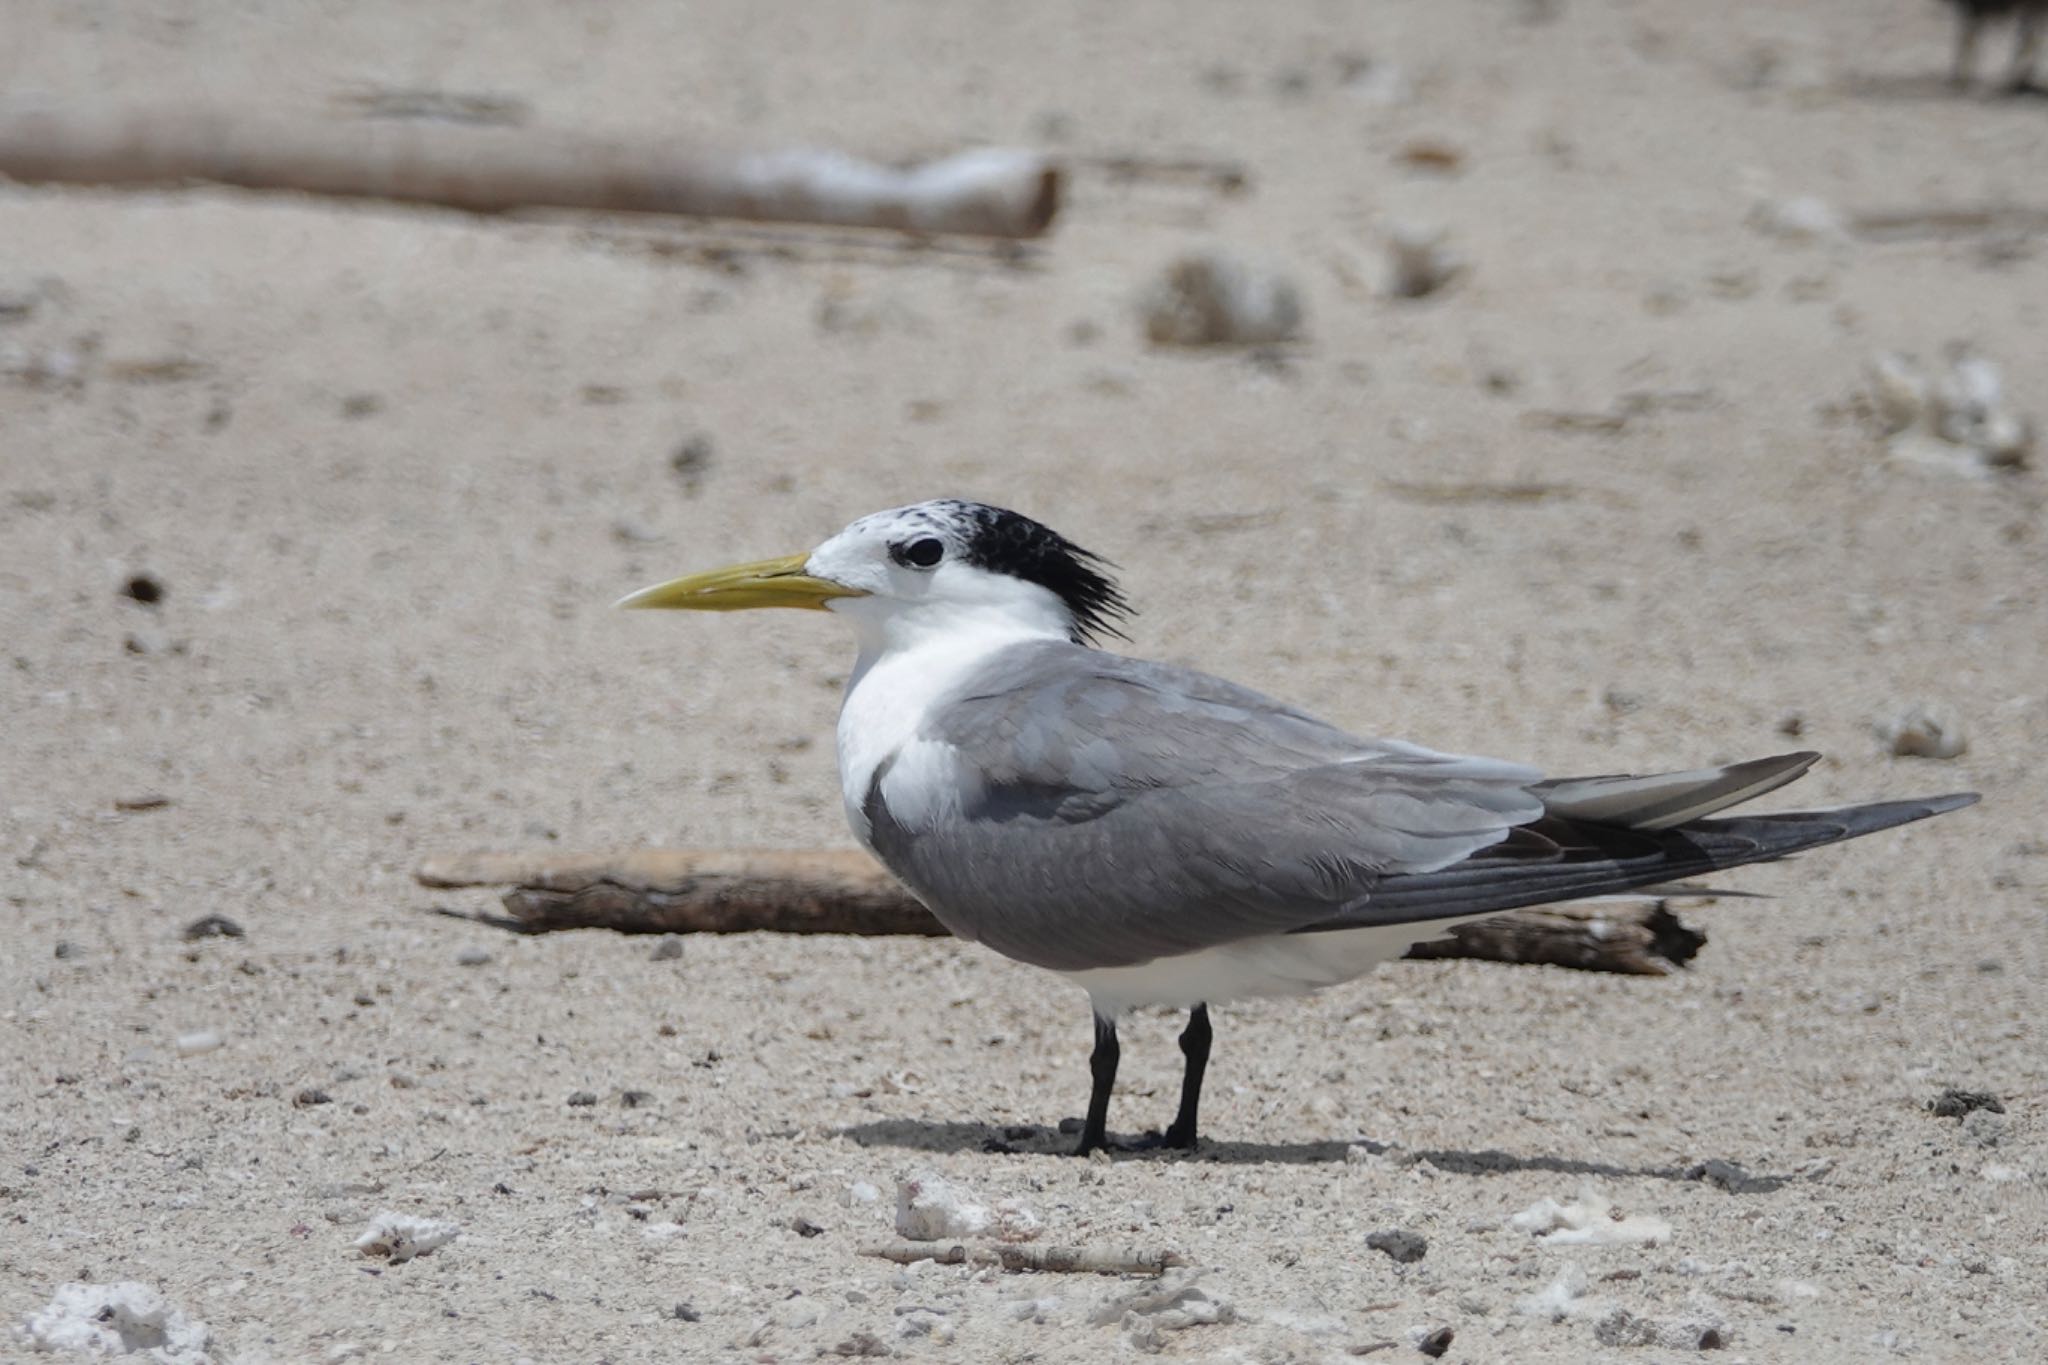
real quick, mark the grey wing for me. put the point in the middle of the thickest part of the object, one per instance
(1050, 715)
(1103, 811)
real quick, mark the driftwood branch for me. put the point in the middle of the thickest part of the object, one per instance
(691, 891)
(1940, 221)
(481, 169)
(828, 891)
(1087, 1260)
(1636, 938)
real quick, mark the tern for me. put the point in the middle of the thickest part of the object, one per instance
(1163, 837)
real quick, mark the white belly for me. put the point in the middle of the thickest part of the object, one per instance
(1255, 968)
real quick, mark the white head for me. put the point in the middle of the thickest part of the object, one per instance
(945, 567)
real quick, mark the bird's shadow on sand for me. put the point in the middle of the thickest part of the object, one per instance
(1928, 87)
(925, 1135)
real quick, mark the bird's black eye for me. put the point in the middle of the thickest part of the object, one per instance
(919, 554)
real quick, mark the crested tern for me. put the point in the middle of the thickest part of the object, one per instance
(1163, 837)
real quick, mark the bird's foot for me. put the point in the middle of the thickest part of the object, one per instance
(1173, 1139)
(1092, 1139)
(1170, 1140)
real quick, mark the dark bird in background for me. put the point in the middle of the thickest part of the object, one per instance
(1972, 15)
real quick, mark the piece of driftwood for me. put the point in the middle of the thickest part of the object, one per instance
(1939, 221)
(991, 192)
(1636, 938)
(694, 891)
(1085, 1260)
(844, 891)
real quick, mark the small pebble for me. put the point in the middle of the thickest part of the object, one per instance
(144, 588)
(1215, 300)
(311, 1096)
(1404, 1246)
(582, 1099)
(142, 801)
(67, 949)
(211, 926)
(1927, 731)
(472, 957)
(669, 949)
(692, 459)
(1954, 1104)
(636, 1099)
(193, 1044)
(1436, 1343)
(1419, 261)
(682, 1312)
(861, 1345)
(1431, 154)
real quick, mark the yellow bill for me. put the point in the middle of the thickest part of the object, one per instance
(742, 587)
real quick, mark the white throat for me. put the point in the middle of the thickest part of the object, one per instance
(911, 655)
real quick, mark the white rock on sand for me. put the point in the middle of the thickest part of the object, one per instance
(398, 1237)
(128, 1318)
(1589, 1220)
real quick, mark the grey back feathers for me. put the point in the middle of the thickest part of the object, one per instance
(1110, 811)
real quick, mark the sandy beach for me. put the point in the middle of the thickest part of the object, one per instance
(1615, 498)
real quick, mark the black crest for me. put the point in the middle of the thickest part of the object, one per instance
(1003, 541)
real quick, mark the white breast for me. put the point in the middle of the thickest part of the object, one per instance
(888, 698)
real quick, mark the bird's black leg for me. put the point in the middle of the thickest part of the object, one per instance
(1194, 1044)
(2026, 49)
(1102, 1066)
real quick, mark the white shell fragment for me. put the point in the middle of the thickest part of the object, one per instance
(1589, 1220)
(1210, 299)
(1954, 418)
(1926, 730)
(930, 1208)
(1559, 1299)
(398, 1237)
(125, 1318)
(1015, 1221)
(1701, 1329)
(194, 1044)
(1801, 218)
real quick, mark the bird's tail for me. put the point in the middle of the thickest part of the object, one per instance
(1666, 800)
(1569, 856)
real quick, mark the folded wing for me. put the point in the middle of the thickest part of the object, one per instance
(1103, 812)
